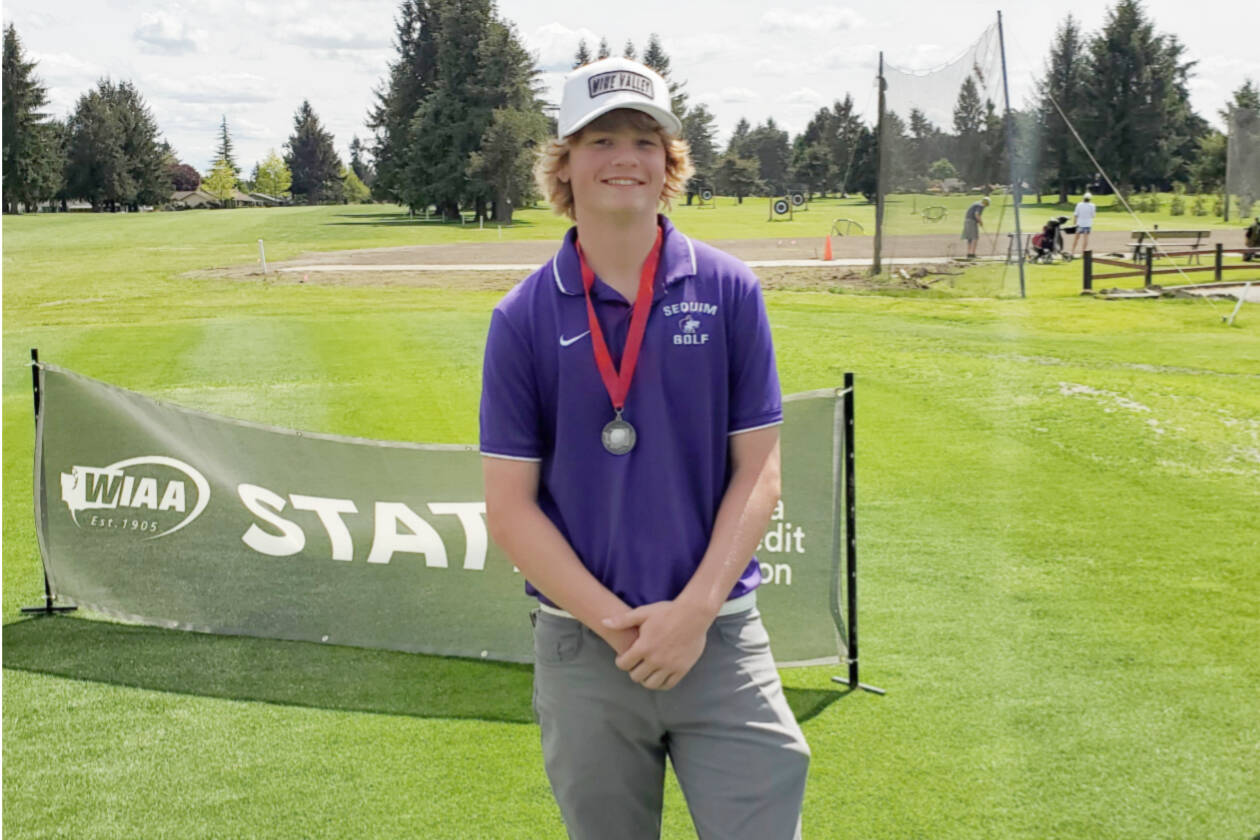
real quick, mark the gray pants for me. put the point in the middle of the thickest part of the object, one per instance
(735, 745)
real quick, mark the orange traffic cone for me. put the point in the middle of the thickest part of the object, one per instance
(827, 250)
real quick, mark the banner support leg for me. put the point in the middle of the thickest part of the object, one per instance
(849, 472)
(49, 608)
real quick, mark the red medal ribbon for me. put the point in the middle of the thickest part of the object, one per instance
(618, 384)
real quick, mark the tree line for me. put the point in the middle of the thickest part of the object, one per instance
(1124, 90)
(458, 118)
(109, 152)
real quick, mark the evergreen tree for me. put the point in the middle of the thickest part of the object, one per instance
(969, 125)
(583, 56)
(927, 142)
(863, 173)
(898, 155)
(113, 156)
(995, 166)
(699, 131)
(738, 144)
(32, 143)
(410, 79)
(312, 161)
(145, 159)
(836, 129)
(95, 167)
(224, 150)
(769, 146)
(361, 168)
(1064, 85)
(737, 176)
(655, 58)
(1247, 96)
(504, 159)
(482, 66)
(603, 49)
(628, 51)
(1209, 169)
(811, 165)
(1136, 113)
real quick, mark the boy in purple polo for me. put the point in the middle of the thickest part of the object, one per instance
(629, 428)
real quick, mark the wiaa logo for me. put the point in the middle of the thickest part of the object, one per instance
(143, 486)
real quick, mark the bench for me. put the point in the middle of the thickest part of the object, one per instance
(1145, 240)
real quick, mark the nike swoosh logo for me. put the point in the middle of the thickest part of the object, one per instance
(565, 342)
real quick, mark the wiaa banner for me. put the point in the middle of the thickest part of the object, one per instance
(157, 514)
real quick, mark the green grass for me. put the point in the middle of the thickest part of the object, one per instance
(1058, 550)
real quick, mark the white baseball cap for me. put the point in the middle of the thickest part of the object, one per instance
(611, 83)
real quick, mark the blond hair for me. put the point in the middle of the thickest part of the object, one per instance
(553, 156)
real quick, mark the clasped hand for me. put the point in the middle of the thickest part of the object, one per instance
(671, 639)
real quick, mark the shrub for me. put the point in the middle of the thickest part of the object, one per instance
(1177, 207)
(1199, 207)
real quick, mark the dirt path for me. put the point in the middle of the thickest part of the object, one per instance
(927, 246)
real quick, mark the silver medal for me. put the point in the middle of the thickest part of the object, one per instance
(618, 436)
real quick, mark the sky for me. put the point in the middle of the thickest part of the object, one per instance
(253, 62)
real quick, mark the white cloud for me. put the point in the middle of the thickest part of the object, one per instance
(371, 61)
(689, 49)
(803, 96)
(855, 56)
(555, 44)
(334, 34)
(216, 89)
(165, 34)
(827, 19)
(773, 67)
(38, 19)
(56, 67)
(735, 94)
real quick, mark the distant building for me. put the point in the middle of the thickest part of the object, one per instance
(191, 199)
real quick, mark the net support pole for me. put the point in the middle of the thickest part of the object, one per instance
(1016, 192)
(879, 172)
(48, 607)
(848, 462)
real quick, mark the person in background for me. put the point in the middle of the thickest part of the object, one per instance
(972, 224)
(1084, 220)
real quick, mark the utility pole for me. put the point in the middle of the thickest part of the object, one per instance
(879, 172)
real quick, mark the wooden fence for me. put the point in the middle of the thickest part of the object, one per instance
(1148, 270)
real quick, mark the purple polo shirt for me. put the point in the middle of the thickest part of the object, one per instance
(639, 522)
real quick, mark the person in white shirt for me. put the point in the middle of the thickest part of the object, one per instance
(1084, 220)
